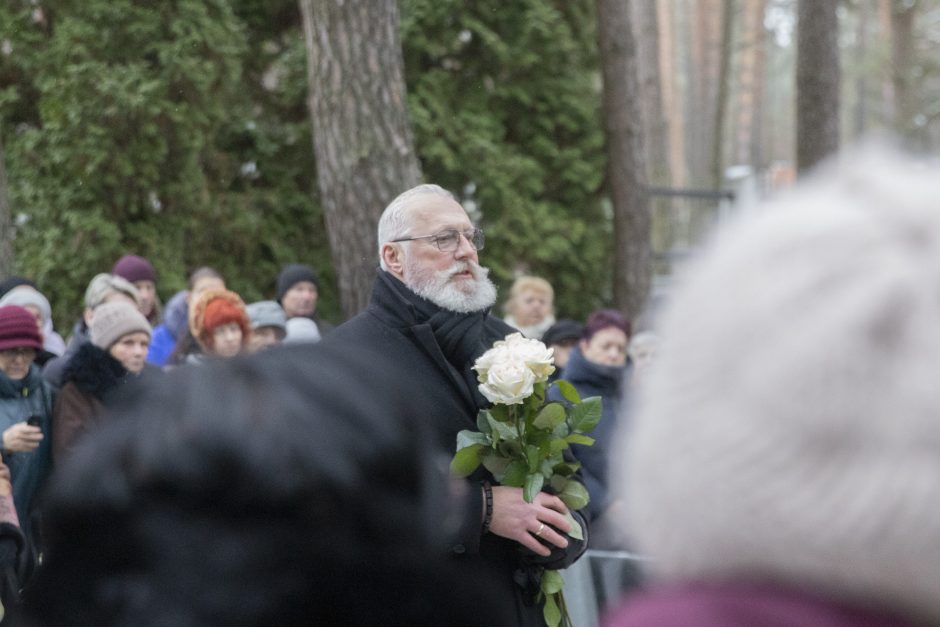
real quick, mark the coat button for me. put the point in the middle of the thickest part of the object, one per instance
(459, 549)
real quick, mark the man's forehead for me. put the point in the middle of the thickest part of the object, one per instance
(438, 212)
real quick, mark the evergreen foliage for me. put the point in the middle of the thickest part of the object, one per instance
(180, 131)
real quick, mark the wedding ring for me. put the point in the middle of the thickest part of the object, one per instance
(539, 532)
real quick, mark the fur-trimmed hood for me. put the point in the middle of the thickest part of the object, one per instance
(94, 371)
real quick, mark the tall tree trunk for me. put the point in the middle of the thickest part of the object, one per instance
(751, 89)
(703, 23)
(817, 82)
(860, 110)
(902, 66)
(362, 136)
(672, 104)
(723, 93)
(625, 169)
(7, 259)
(655, 130)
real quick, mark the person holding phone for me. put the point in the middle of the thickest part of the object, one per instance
(26, 402)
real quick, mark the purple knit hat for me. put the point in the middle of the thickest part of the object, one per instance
(18, 328)
(134, 268)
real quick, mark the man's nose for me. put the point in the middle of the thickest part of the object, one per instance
(465, 248)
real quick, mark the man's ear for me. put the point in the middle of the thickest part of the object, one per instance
(393, 257)
(583, 345)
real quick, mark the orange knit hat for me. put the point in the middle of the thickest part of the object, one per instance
(213, 309)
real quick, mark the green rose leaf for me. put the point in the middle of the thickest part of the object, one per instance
(585, 416)
(550, 612)
(504, 430)
(532, 457)
(516, 474)
(577, 438)
(575, 495)
(552, 582)
(466, 460)
(558, 483)
(567, 469)
(483, 423)
(568, 391)
(576, 532)
(495, 464)
(551, 416)
(557, 445)
(533, 485)
(500, 413)
(468, 438)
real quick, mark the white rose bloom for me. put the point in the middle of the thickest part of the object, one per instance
(508, 382)
(535, 354)
(497, 354)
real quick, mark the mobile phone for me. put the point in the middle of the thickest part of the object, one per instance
(34, 421)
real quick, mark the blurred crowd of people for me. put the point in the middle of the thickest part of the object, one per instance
(774, 457)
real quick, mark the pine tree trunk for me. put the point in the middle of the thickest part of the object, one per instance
(902, 66)
(672, 104)
(362, 136)
(625, 169)
(655, 129)
(751, 89)
(817, 82)
(723, 93)
(7, 259)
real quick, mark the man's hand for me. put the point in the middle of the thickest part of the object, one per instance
(22, 438)
(517, 520)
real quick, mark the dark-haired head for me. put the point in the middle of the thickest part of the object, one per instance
(605, 318)
(294, 487)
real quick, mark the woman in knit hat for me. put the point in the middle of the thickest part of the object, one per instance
(219, 323)
(140, 272)
(34, 301)
(120, 337)
(25, 407)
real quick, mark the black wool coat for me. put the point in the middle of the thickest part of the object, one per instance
(395, 323)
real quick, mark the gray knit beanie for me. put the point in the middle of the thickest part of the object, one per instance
(267, 313)
(104, 284)
(112, 321)
(789, 429)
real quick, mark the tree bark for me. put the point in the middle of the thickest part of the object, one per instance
(672, 104)
(7, 258)
(817, 82)
(625, 168)
(655, 128)
(902, 67)
(362, 137)
(723, 93)
(703, 26)
(751, 90)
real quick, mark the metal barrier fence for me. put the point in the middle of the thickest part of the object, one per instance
(597, 582)
(680, 219)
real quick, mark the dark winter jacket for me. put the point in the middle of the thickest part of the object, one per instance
(591, 379)
(19, 400)
(53, 369)
(438, 348)
(88, 382)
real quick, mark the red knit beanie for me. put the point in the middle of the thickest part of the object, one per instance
(18, 328)
(220, 312)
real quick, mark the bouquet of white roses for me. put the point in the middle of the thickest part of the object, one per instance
(522, 437)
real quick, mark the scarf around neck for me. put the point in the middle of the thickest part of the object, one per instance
(461, 337)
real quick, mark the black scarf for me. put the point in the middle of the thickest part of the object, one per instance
(460, 337)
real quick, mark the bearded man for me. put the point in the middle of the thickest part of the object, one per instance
(430, 308)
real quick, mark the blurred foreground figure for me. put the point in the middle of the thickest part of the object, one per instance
(274, 490)
(783, 465)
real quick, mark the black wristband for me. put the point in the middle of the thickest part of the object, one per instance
(488, 497)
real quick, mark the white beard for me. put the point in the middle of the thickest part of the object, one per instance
(464, 296)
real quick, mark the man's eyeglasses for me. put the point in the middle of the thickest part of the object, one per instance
(13, 353)
(448, 240)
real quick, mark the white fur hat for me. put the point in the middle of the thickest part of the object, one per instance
(790, 427)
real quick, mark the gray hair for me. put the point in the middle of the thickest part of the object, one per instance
(395, 220)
